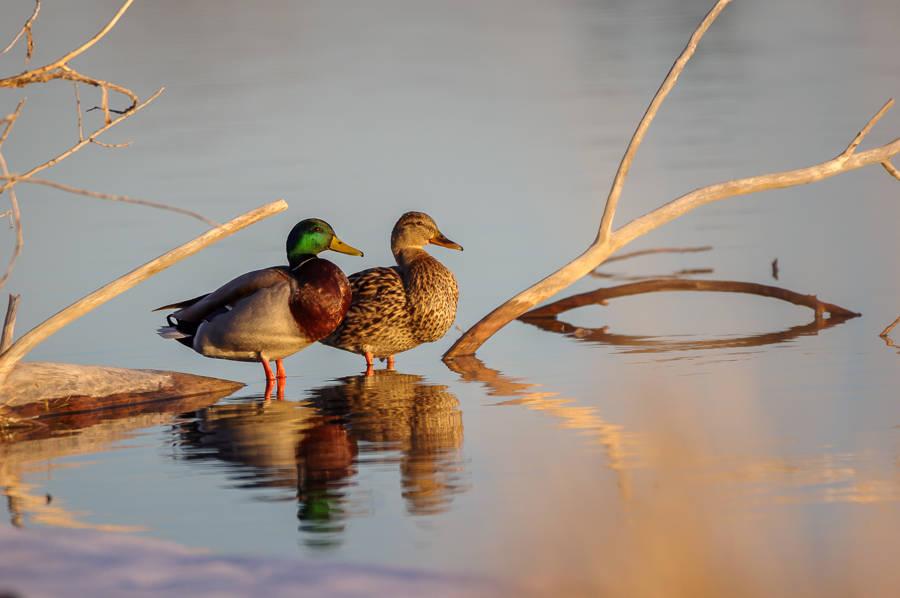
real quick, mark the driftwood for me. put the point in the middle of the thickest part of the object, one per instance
(36, 389)
(40, 332)
(608, 241)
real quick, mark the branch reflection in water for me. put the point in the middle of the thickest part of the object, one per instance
(319, 446)
(28, 449)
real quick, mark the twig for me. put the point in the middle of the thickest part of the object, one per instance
(77, 146)
(40, 332)
(25, 78)
(126, 144)
(9, 324)
(626, 256)
(889, 328)
(607, 243)
(26, 29)
(15, 216)
(60, 70)
(123, 198)
(78, 105)
(600, 296)
(891, 169)
(865, 130)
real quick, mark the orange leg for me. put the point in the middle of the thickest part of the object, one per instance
(279, 364)
(370, 360)
(390, 365)
(270, 377)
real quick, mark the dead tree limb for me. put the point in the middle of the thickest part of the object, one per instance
(9, 121)
(607, 242)
(601, 296)
(9, 323)
(122, 198)
(18, 178)
(60, 69)
(43, 330)
(26, 29)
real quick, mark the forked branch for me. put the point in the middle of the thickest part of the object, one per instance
(606, 242)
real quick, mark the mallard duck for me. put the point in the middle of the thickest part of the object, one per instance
(267, 315)
(395, 309)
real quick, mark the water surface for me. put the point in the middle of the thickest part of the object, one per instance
(702, 444)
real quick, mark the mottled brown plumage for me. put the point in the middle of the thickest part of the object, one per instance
(395, 309)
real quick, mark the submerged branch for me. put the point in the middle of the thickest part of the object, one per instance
(40, 332)
(884, 334)
(600, 296)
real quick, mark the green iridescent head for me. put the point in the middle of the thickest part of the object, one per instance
(311, 237)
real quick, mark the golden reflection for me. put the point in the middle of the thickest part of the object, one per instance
(318, 446)
(696, 517)
(28, 451)
(618, 444)
(826, 477)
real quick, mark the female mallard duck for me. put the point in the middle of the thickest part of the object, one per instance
(267, 315)
(395, 309)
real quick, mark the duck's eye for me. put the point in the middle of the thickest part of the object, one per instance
(420, 223)
(317, 229)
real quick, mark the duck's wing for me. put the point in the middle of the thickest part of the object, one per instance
(181, 304)
(376, 287)
(197, 309)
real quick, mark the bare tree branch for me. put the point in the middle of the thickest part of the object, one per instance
(29, 77)
(606, 243)
(16, 179)
(26, 29)
(9, 324)
(15, 217)
(123, 198)
(891, 169)
(40, 332)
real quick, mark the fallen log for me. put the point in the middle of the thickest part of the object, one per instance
(39, 389)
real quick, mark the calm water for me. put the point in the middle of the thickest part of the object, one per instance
(704, 445)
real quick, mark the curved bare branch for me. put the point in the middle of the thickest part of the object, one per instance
(606, 242)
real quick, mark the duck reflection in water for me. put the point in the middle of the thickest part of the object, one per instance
(320, 445)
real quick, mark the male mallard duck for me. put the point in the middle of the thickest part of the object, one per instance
(395, 309)
(267, 315)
